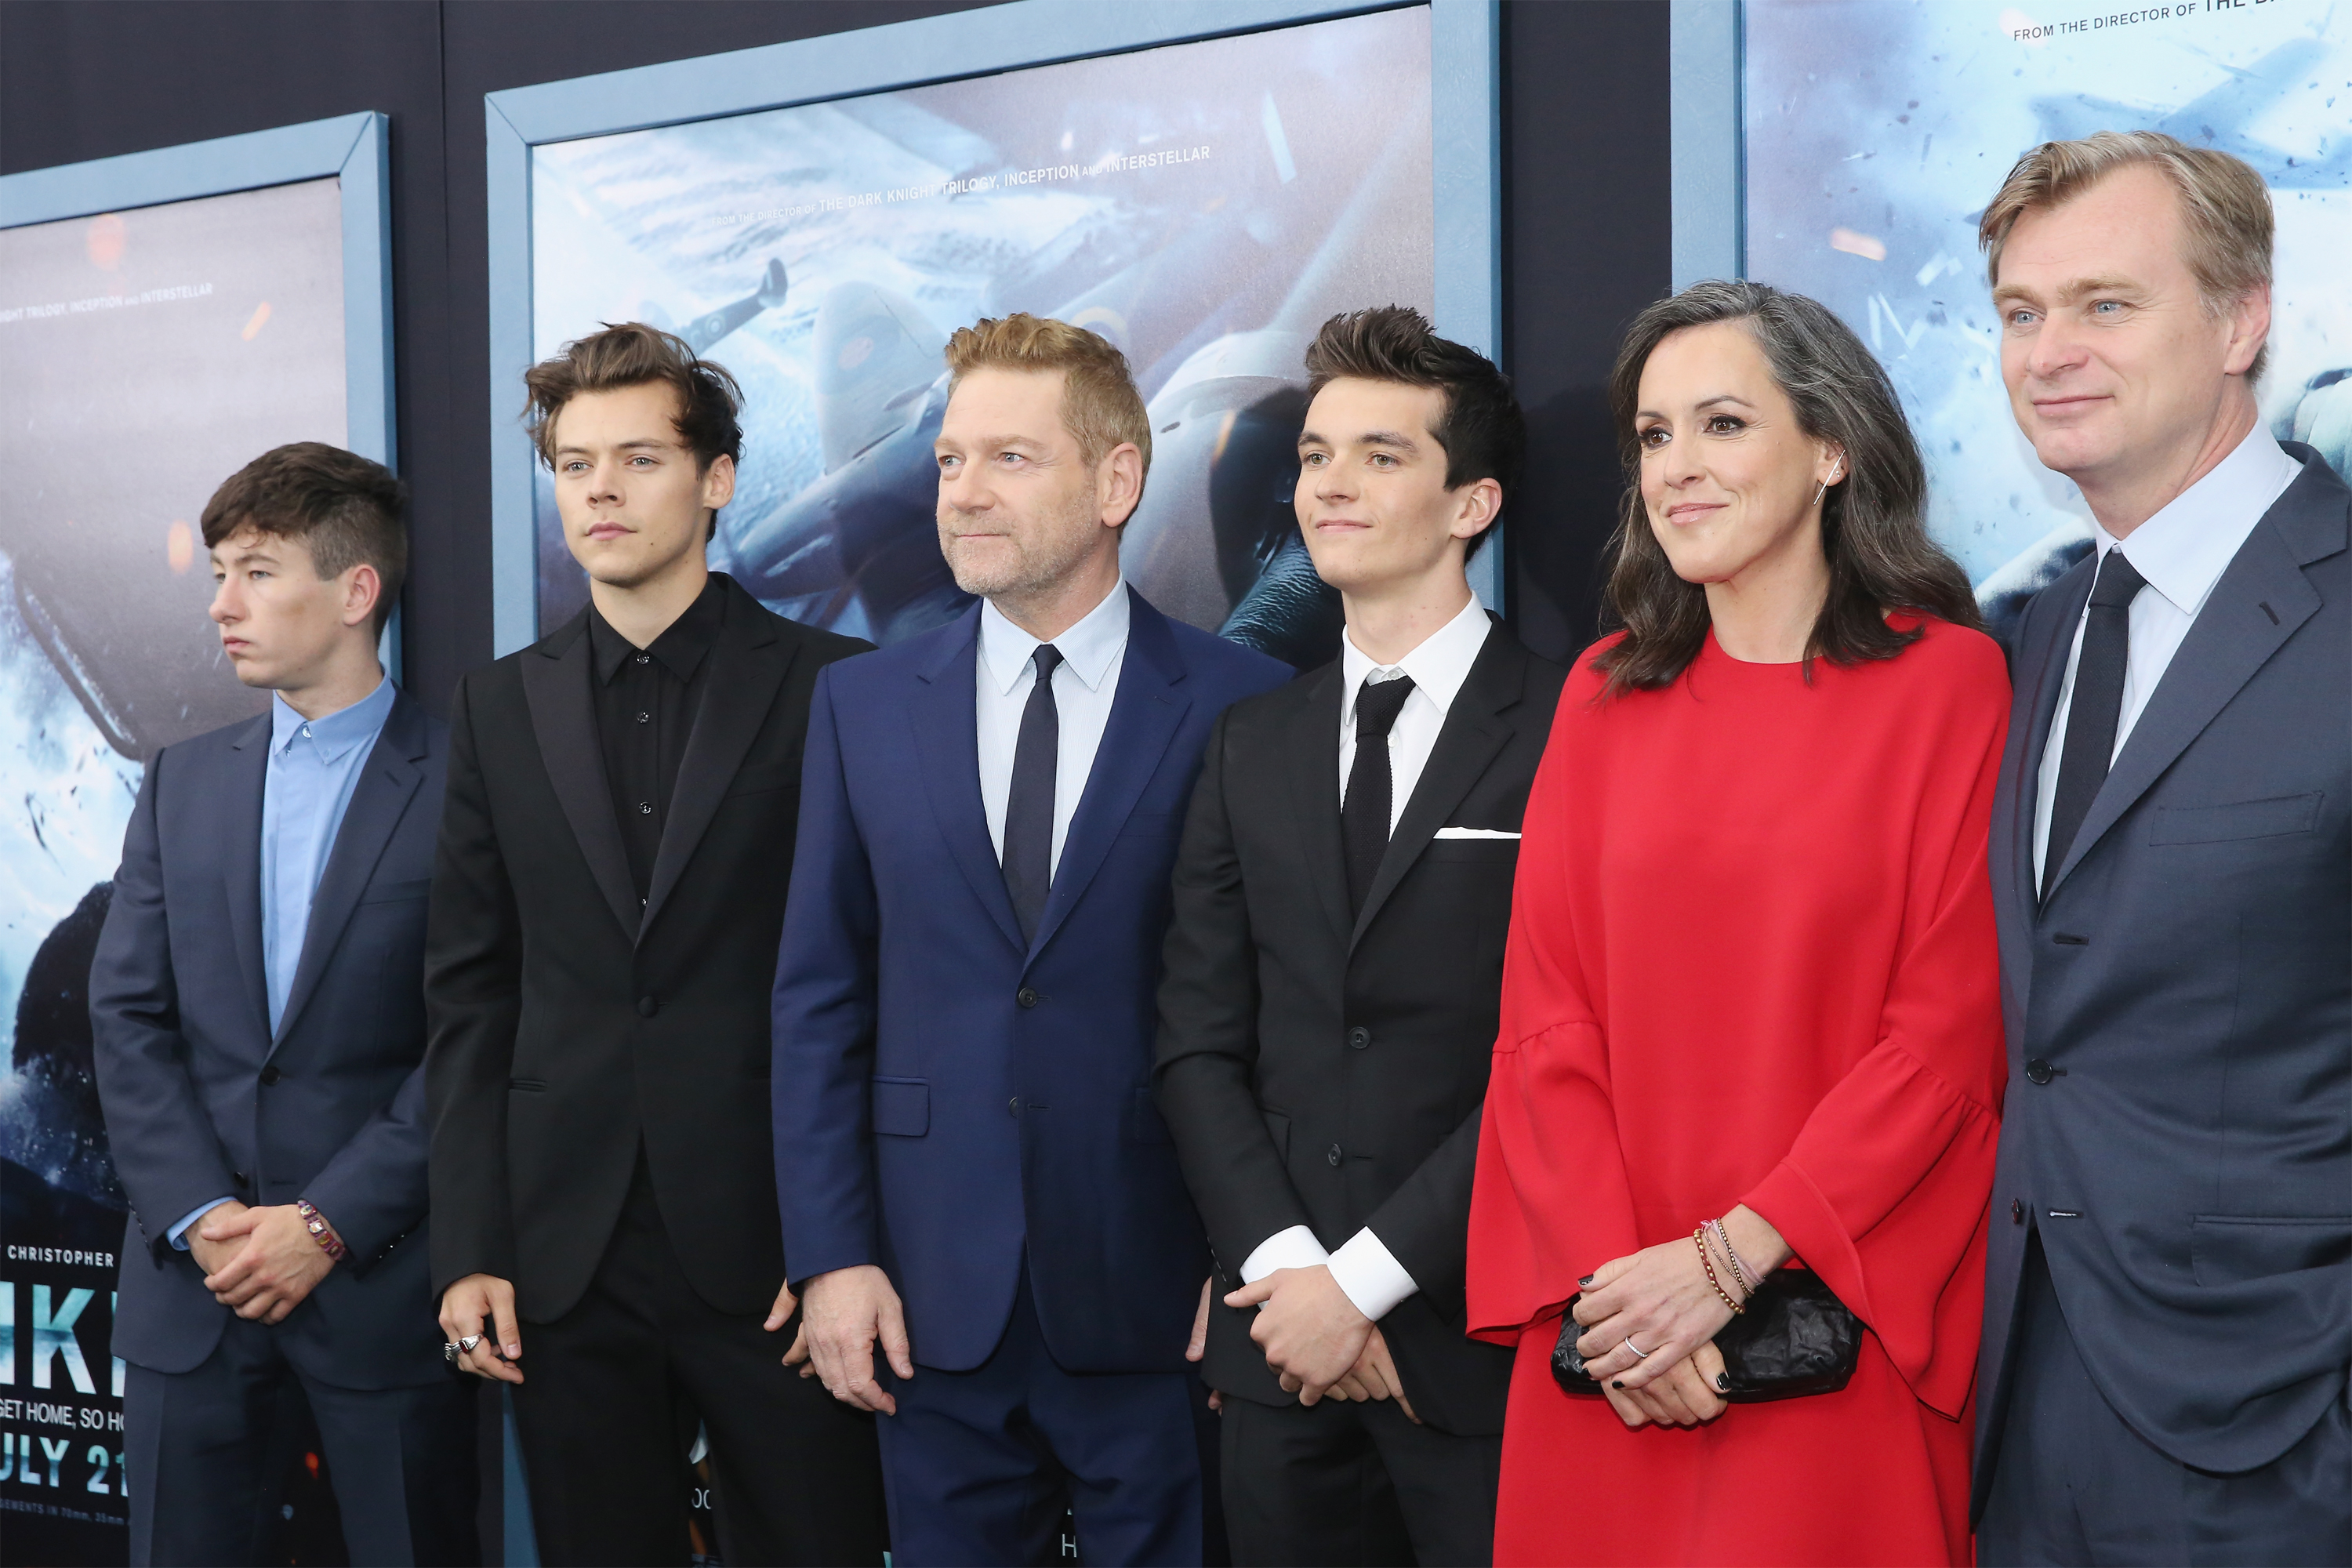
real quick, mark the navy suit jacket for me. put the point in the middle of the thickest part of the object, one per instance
(947, 1096)
(203, 1102)
(2178, 1118)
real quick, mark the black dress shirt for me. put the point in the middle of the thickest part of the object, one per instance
(645, 702)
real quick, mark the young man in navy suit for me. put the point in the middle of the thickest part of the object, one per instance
(258, 1011)
(982, 1206)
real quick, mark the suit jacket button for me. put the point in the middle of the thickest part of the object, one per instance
(2017, 1211)
(2037, 1071)
(1028, 998)
(1334, 1157)
(1358, 1038)
(648, 1006)
(1013, 1105)
(269, 1074)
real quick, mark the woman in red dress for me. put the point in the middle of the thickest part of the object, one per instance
(1751, 978)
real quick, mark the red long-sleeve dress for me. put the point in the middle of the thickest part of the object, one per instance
(1752, 960)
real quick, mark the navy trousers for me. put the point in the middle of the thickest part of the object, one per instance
(2073, 1485)
(206, 1450)
(980, 1466)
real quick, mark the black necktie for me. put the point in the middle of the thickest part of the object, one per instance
(2096, 707)
(1364, 815)
(1029, 807)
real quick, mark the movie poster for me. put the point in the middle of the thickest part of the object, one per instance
(1204, 205)
(144, 356)
(1877, 131)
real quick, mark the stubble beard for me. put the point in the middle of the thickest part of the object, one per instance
(1044, 553)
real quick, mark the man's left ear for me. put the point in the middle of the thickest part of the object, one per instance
(1481, 504)
(719, 482)
(1119, 483)
(2250, 329)
(361, 588)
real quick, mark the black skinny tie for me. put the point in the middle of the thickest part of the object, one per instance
(1029, 807)
(2097, 708)
(1364, 815)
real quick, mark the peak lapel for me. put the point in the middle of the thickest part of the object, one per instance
(562, 715)
(749, 663)
(1314, 758)
(945, 720)
(2231, 639)
(1468, 742)
(248, 778)
(388, 780)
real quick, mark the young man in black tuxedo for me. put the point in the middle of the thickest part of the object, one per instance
(1333, 974)
(617, 838)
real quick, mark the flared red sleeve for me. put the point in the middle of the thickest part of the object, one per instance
(1884, 1192)
(1551, 1197)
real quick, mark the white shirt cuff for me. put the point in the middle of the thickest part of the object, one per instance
(1294, 1247)
(1367, 1273)
(178, 1232)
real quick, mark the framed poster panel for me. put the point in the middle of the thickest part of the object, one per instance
(165, 318)
(1862, 179)
(1201, 180)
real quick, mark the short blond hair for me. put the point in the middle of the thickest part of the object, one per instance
(1100, 407)
(2224, 206)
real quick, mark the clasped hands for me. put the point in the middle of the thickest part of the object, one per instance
(1659, 1298)
(259, 1262)
(1316, 1341)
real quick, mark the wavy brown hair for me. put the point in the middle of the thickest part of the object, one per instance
(1873, 524)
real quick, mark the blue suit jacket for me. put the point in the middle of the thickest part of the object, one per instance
(201, 1101)
(945, 1096)
(2184, 997)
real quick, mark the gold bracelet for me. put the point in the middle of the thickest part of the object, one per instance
(1698, 1239)
(1739, 1274)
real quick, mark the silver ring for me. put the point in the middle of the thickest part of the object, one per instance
(449, 1352)
(468, 1342)
(1639, 1353)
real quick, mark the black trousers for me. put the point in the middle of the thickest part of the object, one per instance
(1350, 1484)
(611, 1394)
(207, 1450)
(2073, 1484)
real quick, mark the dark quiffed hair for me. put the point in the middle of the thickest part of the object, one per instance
(1874, 522)
(343, 507)
(1482, 431)
(634, 354)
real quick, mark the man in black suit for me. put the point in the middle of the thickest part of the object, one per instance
(1333, 974)
(257, 1022)
(614, 851)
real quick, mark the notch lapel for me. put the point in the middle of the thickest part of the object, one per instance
(2048, 661)
(1145, 713)
(2230, 640)
(748, 667)
(1314, 793)
(555, 686)
(388, 780)
(1468, 742)
(945, 719)
(249, 777)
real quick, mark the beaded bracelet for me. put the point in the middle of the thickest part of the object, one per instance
(1741, 1274)
(320, 1231)
(1707, 1262)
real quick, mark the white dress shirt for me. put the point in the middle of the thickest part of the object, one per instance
(1366, 1271)
(2182, 551)
(1085, 682)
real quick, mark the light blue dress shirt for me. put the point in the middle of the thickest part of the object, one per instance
(314, 767)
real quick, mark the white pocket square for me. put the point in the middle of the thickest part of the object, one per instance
(1474, 833)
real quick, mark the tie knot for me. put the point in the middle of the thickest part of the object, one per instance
(1377, 705)
(1046, 657)
(2118, 581)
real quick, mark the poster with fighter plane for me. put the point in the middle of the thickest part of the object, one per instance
(1204, 205)
(1875, 132)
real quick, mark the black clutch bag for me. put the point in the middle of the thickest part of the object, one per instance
(1796, 1338)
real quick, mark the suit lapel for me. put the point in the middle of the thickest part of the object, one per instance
(2048, 662)
(387, 781)
(1145, 713)
(944, 717)
(250, 779)
(1314, 758)
(2233, 636)
(748, 662)
(556, 674)
(1469, 740)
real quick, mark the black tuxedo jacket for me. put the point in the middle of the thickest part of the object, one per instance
(1330, 1073)
(568, 1027)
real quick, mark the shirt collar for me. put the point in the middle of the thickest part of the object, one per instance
(1087, 649)
(1438, 666)
(681, 646)
(336, 733)
(2183, 550)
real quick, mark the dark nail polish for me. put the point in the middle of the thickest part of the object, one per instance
(1617, 1383)
(1586, 1281)
(1723, 1382)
